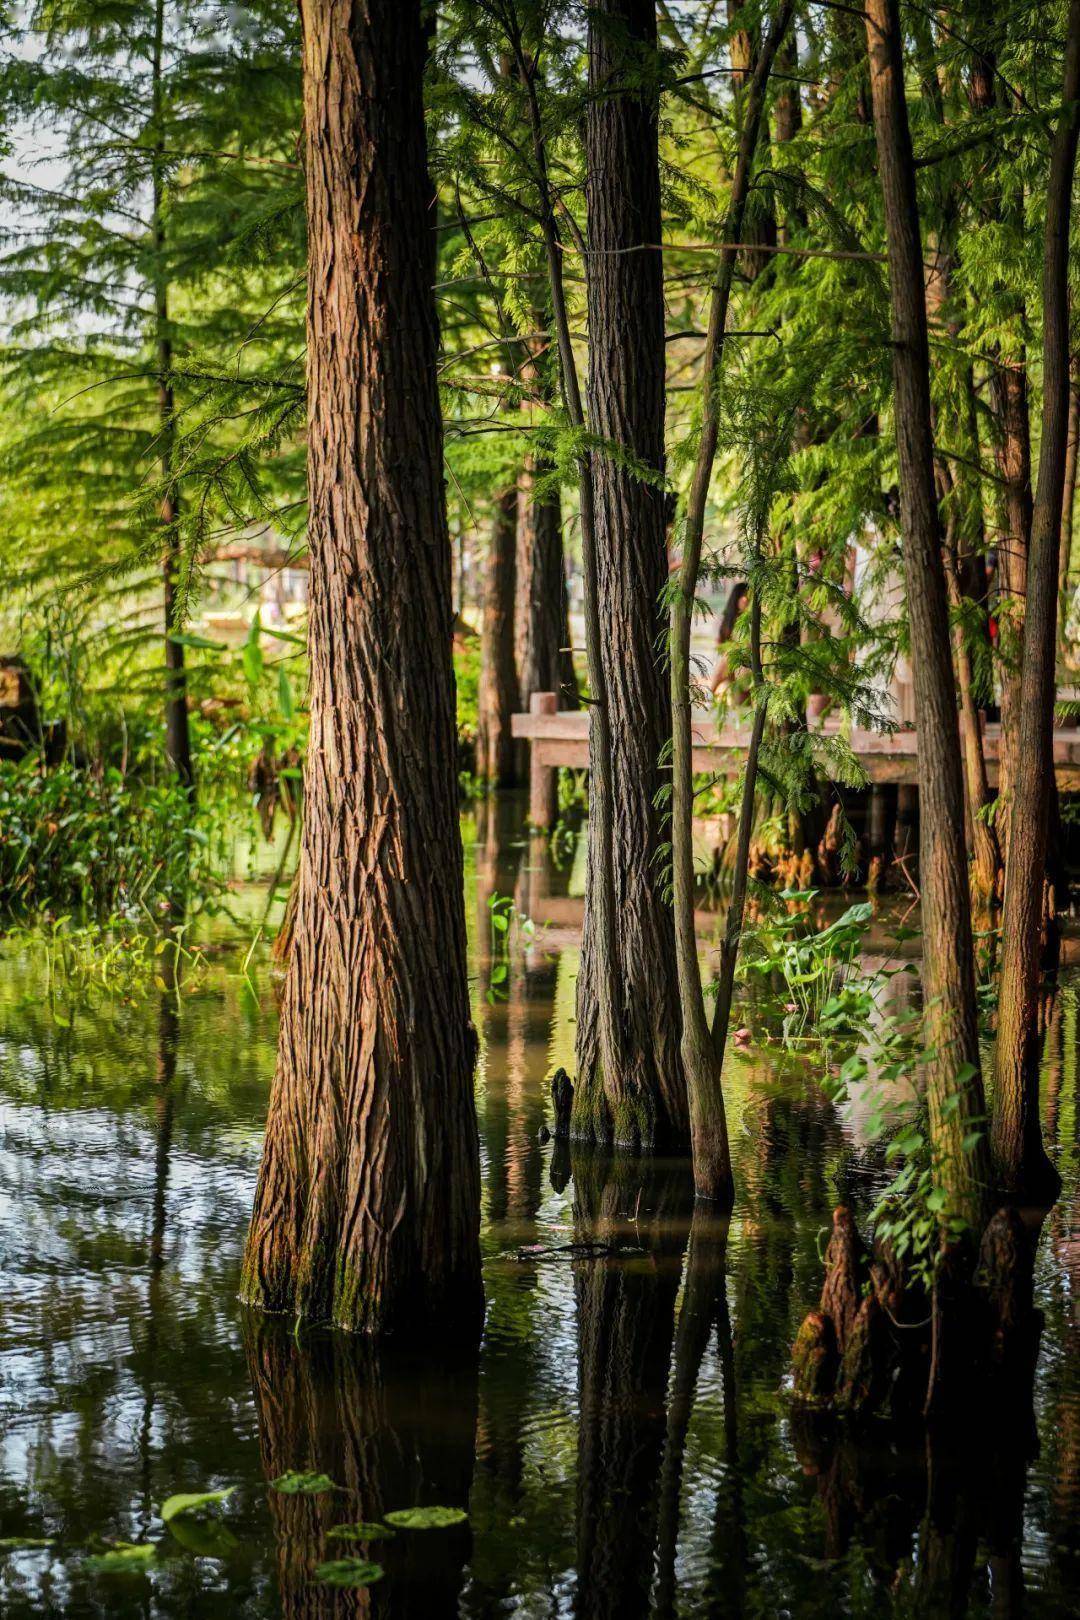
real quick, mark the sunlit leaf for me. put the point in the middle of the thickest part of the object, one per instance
(426, 1518)
(190, 1502)
(123, 1558)
(292, 1483)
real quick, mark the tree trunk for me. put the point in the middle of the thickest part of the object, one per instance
(643, 1103)
(952, 1060)
(367, 1207)
(496, 751)
(1021, 1159)
(1012, 450)
(1068, 499)
(701, 1061)
(177, 731)
(542, 609)
(600, 889)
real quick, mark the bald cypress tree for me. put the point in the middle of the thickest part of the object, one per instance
(367, 1207)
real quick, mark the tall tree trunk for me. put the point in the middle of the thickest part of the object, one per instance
(954, 1086)
(496, 752)
(962, 497)
(1068, 499)
(1009, 404)
(600, 895)
(702, 1045)
(542, 613)
(643, 1103)
(367, 1206)
(1021, 1159)
(177, 731)
(542, 609)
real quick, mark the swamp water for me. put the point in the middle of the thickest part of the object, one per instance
(621, 1441)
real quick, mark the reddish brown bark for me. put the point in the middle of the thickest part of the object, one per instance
(498, 699)
(642, 1102)
(367, 1207)
(1018, 1150)
(948, 967)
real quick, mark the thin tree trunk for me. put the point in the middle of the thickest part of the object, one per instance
(542, 611)
(177, 730)
(367, 1206)
(708, 1122)
(496, 751)
(1068, 499)
(600, 896)
(986, 855)
(542, 640)
(1021, 1159)
(643, 1103)
(963, 502)
(952, 1058)
(1012, 450)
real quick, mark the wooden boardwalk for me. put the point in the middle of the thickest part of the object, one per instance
(562, 738)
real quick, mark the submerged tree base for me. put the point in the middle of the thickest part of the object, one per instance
(881, 1343)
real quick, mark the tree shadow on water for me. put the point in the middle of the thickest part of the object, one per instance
(393, 1428)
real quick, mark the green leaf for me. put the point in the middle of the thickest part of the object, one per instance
(359, 1532)
(206, 1538)
(971, 1141)
(123, 1558)
(299, 1484)
(426, 1518)
(286, 701)
(13, 1543)
(349, 1572)
(191, 1501)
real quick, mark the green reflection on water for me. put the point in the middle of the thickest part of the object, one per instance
(620, 1441)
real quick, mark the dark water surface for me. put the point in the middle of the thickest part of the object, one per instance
(622, 1440)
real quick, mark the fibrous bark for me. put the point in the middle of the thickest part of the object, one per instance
(954, 1086)
(367, 1207)
(643, 1101)
(1021, 1160)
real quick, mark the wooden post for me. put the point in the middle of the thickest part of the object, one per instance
(543, 783)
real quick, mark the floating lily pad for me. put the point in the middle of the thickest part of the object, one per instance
(123, 1558)
(359, 1532)
(191, 1502)
(426, 1518)
(349, 1572)
(294, 1484)
(206, 1538)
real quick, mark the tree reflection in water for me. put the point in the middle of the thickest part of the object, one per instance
(393, 1430)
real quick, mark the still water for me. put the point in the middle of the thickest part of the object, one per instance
(621, 1441)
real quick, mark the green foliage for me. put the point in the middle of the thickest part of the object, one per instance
(811, 964)
(426, 1518)
(192, 1502)
(293, 1483)
(348, 1572)
(360, 1531)
(97, 845)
